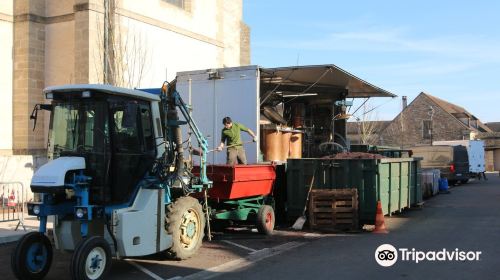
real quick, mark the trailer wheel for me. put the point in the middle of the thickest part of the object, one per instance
(91, 259)
(185, 222)
(32, 257)
(265, 220)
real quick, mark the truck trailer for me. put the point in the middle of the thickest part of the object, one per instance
(298, 111)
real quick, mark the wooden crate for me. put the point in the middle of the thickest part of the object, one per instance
(333, 210)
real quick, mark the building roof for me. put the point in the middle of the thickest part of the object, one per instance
(457, 112)
(494, 126)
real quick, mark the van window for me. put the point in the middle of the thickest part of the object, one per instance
(460, 154)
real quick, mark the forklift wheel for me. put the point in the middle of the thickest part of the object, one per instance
(91, 259)
(32, 256)
(265, 220)
(185, 222)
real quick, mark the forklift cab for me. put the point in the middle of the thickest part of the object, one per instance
(114, 134)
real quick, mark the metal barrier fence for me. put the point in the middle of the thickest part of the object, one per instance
(12, 202)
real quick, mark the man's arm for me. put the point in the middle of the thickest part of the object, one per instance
(249, 131)
(220, 147)
(222, 140)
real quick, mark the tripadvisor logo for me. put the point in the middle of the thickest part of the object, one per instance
(387, 255)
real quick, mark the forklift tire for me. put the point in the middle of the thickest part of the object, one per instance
(185, 222)
(32, 256)
(91, 259)
(265, 220)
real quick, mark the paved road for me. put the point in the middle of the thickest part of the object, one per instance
(467, 219)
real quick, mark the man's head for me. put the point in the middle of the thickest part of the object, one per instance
(227, 122)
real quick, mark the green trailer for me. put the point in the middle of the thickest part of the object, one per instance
(393, 181)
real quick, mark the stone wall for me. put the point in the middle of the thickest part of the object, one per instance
(29, 79)
(50, 42)
(53, 42)
(245, 44)
(406, 130)
(6, 49)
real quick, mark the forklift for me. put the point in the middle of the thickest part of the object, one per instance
(116, 184)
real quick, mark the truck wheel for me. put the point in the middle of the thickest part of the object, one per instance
(32, 257)
(185, 222)
(91, 259)
(265, 220)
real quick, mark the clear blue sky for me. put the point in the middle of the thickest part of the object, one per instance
(450, 49)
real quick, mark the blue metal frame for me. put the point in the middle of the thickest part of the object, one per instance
(184, 108)
(202, 140)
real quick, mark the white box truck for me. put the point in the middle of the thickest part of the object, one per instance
(311, 99)
(475, 150)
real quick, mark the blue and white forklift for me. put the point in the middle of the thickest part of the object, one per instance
(116, 184)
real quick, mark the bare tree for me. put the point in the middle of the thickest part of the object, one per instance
(122, 57)
(369, 126)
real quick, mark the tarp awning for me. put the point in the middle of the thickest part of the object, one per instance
(322, 79)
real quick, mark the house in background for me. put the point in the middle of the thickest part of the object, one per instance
(492, 146)
(428, 118)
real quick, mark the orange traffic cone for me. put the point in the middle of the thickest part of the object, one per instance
(379, 220)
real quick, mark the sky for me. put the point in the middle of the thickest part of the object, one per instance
(449, 49)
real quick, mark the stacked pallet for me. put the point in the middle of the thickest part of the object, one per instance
(333, 210)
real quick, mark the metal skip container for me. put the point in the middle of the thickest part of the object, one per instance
(393, 181)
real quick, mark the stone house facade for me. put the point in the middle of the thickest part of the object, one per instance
(428, 118)
(492, 146)
(52, 42)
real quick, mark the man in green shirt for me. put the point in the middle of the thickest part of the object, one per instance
(231, 135)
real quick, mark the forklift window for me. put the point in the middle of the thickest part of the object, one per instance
(133, 145)
(72, 128)
(126, 129)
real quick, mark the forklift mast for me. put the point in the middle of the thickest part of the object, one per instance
(171, 100)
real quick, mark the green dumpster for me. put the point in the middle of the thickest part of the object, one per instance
(393, 181)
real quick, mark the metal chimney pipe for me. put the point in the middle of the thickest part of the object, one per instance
(405, 101)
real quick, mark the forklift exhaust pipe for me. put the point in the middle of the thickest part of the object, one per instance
(173, 115)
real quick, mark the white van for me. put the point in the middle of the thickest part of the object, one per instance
(475, 151)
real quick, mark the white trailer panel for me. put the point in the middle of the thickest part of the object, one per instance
(215, 94)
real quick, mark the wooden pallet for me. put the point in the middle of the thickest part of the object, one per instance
(333, 210)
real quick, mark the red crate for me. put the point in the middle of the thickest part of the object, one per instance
(240, 181)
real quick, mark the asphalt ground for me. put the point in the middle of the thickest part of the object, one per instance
(467, 219)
